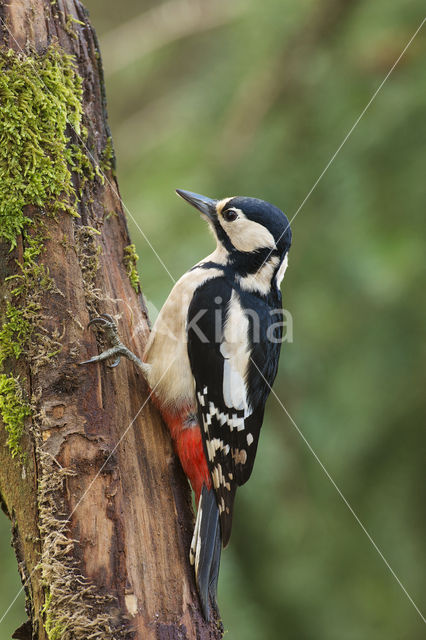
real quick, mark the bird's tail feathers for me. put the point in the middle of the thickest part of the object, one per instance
(206, 549)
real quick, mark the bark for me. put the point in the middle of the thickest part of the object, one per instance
(101, 511)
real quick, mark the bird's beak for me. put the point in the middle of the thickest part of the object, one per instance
(207, 206)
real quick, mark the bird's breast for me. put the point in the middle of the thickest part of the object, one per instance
(170, 377)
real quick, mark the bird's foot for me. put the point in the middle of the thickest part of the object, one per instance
(109, 328)
(117, 348)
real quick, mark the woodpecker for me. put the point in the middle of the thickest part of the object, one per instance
(211, 360)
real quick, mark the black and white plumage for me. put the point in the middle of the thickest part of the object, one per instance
(232, 377)
(234, 331)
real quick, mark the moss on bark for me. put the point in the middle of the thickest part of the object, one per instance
(39, 97)
(130, 260)
(13, 410)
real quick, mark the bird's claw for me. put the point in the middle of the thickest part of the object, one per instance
(115, 363)
(117, 348)
(109, 326)
(105, 321)
(104, 318)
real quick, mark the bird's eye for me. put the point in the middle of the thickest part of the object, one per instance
(230, 215)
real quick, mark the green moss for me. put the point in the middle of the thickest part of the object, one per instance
(107, 162)
(81, 165)
(69, 22)
(22, 329)
(39, 98)
(13, 410)
(130, 260)
(15, 333)
(54, 629)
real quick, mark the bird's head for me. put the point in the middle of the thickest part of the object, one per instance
(251, 231)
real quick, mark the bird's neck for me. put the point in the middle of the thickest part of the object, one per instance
(262, 280)
(259, 273)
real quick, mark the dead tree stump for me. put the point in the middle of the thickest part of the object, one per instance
(101, 512)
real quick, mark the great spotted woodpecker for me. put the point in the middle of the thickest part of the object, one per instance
(211, 359)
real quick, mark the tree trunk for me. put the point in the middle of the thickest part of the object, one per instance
(100, 509)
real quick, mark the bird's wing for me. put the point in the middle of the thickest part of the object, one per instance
(230, 391)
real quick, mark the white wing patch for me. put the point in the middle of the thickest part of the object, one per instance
(234, 391)
(236, 354)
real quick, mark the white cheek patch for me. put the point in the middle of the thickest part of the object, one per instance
(282, 270)
(247, 235)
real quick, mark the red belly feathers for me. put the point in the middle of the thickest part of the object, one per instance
(188, 446)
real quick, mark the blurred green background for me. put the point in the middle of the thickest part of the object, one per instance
(253, 98)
